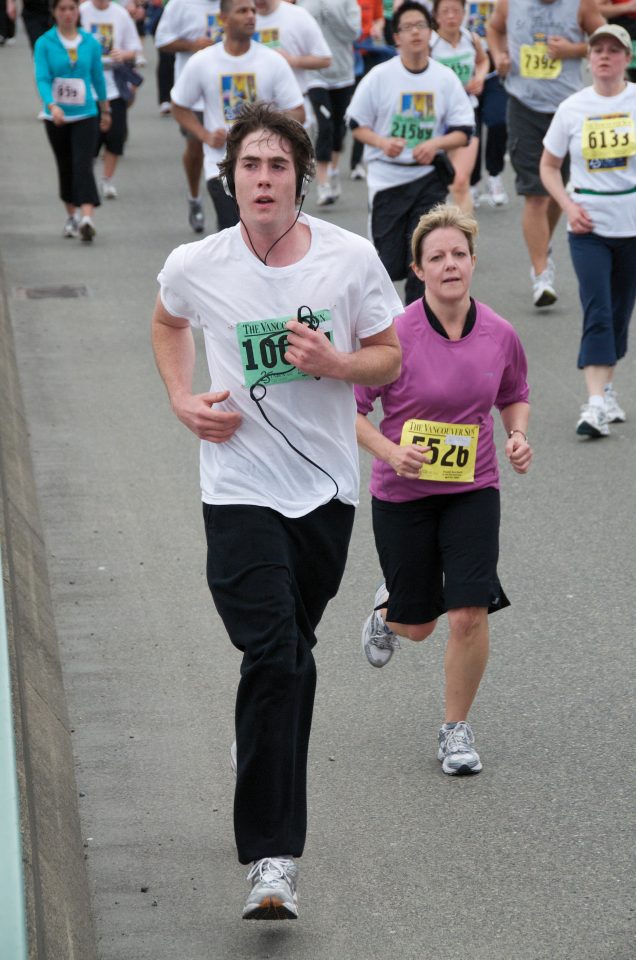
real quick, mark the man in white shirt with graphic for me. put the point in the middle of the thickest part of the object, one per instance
(233, 72)
(538, 48)
(295, 35)
(404, 111)
(114, 29)
(294, 311)
(185, 27)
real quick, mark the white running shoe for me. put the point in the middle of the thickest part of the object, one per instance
(196, 216)
(87, 230)
(497, 196)
(324, 197)
(613, 411)
(273, 895)
(71, 227)
(378, 641)
(456, 751)
(476, 194)
(358, 172)
(165, 108)
(543, 292)
(109, 190)
(592, 422)
(334, 184)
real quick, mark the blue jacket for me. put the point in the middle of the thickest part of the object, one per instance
(52, 62)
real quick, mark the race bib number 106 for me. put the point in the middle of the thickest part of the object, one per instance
(453, 449)
(263, 344)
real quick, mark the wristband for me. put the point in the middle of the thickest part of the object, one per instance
(516, 430)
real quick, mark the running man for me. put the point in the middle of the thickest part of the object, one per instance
(187, 26)
(538, 46)
(223, 78)
(405, 111)
(294, 311)
(296, 36)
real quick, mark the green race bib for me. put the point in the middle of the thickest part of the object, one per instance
(414, 130)
(263, 344)
(462, 66)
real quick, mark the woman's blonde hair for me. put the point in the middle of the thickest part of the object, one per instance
(441, 216)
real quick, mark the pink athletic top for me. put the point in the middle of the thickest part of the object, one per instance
(452, 381)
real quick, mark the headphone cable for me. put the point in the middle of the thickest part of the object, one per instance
(289, 229)
(257, 401)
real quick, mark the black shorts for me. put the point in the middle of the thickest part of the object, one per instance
(115, 137)
(526, 130)
(439, 553)
(396, 212)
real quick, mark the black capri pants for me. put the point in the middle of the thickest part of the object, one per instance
(330, 106)
(271, 578)
(73, 145)
(227, 211)
(115, 137)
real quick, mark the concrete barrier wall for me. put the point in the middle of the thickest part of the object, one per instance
(57, 903)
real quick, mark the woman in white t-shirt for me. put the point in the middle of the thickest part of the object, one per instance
(596, 126)
(462, 51)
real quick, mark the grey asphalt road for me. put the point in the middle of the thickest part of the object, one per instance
(533, 859)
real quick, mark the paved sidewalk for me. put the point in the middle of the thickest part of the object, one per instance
(533, 859)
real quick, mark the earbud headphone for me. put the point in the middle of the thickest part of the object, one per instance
(302, 185)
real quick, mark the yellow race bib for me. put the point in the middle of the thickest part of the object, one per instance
(608, 137)
(535, 63)
(453, 449)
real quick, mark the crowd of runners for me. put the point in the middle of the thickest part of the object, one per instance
(296, 311)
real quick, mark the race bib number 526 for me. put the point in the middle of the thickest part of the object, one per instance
(453, 449)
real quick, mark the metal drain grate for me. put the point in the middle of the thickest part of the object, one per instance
(63, 291)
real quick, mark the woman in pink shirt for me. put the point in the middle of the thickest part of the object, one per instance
(435, 479)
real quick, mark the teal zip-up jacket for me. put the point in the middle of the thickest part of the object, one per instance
(52, 63)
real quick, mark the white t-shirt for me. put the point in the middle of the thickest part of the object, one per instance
(296, 31)
(114, 29)
(224, 83)
(219, 285)
(460, 58)
(188, 20)
(392, 101)
(603, 128)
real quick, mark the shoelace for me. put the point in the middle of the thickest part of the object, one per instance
(459, 739)
(383, 637)
(270, 870)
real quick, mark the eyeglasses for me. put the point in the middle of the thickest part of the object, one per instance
(411, 27)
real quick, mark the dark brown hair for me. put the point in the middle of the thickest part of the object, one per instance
(263, 116)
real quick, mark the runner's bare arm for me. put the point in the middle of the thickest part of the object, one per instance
(515, 420)
(406, 461)
(173, 345)
(496, 36)
(376, 362)
(187, 46)
(391, 146)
